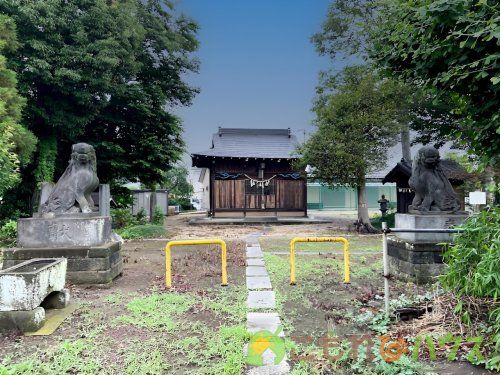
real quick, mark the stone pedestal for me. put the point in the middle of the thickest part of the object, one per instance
(418, 256)
(85, 240)
(63, 231)
(417, 262)
(427, 221)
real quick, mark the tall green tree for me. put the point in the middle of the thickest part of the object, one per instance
(178, 184)
(16, 143)
(136, 137)
(357, 120)
(351, 29)
(107, 73)
(450, 48)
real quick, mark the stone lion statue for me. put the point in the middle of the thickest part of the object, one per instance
(72, 193)
(433, 191)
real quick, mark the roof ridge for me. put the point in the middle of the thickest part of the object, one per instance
(254, 131)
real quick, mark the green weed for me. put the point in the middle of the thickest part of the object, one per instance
(157, 310)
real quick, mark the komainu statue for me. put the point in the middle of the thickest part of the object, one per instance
(72, 193)
(433, 191)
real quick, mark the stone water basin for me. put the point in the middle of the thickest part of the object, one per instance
(25, 286)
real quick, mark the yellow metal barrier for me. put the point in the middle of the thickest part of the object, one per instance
(319, 239)
(168, 257)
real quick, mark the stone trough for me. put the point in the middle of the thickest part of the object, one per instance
(27, 289)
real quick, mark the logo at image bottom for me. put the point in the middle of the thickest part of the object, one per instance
(262, 341)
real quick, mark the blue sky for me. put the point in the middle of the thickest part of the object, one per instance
(258, 67)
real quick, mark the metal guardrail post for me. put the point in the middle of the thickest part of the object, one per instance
(347, 277)
(386, 267)
(168, 256)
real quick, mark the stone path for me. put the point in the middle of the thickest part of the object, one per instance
(261, 303)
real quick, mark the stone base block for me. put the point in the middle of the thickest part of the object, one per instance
(414, 261)
(63, 231)
(422, 221)
(24, 321)
(86, 265)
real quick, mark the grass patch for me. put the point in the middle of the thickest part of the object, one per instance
(75, 357)
(138, 232)
(157, 311)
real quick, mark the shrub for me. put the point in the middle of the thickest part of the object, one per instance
(122, 217)
(8, 231)
(122, 196)
(474, 258)
(141, 217)
(143, 231)
(389, 218)
(158, 216)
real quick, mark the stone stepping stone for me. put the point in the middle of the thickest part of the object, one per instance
(263, 321)
(269, 368)
(262, 299)
(259, 282)
(254, 252)
(255, 262)
(256, 271)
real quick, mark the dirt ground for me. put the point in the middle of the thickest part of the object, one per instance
(137, 327)
(112, 327)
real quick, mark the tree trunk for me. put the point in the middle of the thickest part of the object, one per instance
(405, 144)
(363, 223)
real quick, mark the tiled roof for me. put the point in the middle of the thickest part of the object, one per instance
(251, 143)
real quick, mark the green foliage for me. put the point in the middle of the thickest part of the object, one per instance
(357, 120)
(16, 143)
(158, 216)
(388, 218)
(106, 72)
(474, 258)
(47, 154)
(143, 231)
(157, 311)
(122, 196)
(449, 47)
(122, 217)
(69, 357)
(358, 116)
(177, 184)
(8, 231)
(142, 217)
(185, 203)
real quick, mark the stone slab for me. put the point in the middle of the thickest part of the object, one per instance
(81, 268)
(269, 369)
(262, 299)
(101, 251)
(263, 321)
(255, 262)
(258, 282)
(435, 221)
(256, 271)
(254, 252)
(63, 231)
